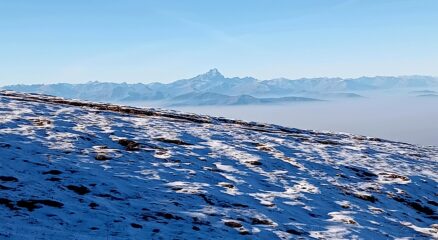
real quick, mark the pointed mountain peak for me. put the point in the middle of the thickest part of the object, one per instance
(213, 73)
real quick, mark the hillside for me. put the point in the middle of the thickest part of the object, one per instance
(212, 99)
(81, 170)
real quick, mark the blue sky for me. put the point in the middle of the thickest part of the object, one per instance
(48, 41)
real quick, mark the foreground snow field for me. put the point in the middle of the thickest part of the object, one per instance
(77, 170)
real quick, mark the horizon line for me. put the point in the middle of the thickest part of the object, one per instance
(218, 72)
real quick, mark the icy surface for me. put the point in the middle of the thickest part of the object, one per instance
(74, 170)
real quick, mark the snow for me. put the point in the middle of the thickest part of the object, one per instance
(185, 176)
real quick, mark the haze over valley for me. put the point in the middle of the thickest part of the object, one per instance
(397, 108)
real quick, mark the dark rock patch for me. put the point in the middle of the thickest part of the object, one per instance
(93, 205)
(314, 215)
(135, 225)
(168, 216)
(147, 217)
(240, 205)
(363, 173)
(233, 224)
(258, 221)
(416, 205)
(376, 139)
(227, 185)
(206, 199)
(327, 142)
(5, 145)
(263, 147)
(109, 196)
(294, 232)
(213, 169)
(52, 172)
(172, 141)
(5, 188)
(32, 204)
(369, 198)
(129, 145)
(8, 179)
(7, 203)
(255, 163)
(85, 138)
(114, 191)
(54, 179)
(41, 122)
(395, 176)
(81, 190)
(101, 157)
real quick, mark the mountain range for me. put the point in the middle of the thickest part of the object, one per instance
(213, 88)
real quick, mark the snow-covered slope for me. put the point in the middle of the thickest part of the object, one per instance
(75, 170)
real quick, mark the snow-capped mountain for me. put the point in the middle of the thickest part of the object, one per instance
(81, 170)
(213, 82)
(93, 91)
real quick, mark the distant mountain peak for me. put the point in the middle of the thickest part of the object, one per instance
(212, 73)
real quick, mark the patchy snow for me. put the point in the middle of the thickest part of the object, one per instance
(77, 170)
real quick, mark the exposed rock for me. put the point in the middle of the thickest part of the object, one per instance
(129, 145)
(8, 179)
(32, 204)
(233, 224)
(93, 205)
(135, 225)
(294, 232)
(8, 203)
(258, 221)
(52, 172)
(81, 190)
(366, 197)
(172, 141)
(101, 157)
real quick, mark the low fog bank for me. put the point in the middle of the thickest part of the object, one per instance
(407, 119)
